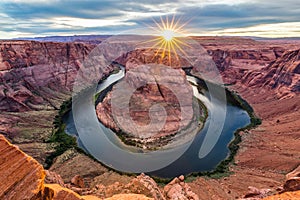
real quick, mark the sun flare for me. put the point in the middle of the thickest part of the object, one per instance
(169, 41)
(168, 34)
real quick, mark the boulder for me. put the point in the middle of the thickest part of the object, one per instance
(292, 182)
(54, 178)
(78, 181)
(177, 189)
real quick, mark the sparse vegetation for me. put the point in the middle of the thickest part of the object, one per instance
(161, 181)
(62, 139)
(222, 170)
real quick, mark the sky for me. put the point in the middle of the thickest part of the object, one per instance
(36, 18)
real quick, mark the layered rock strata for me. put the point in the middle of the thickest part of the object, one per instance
(150, 105)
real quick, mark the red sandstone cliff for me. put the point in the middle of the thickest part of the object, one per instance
(21, 176)
(281, 75)
(35, 78)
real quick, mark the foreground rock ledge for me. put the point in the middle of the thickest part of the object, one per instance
(22, 177)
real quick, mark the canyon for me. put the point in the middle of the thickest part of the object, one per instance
(37, 77)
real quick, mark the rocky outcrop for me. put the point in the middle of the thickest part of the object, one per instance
(78, 181)
(282, 75)
(37, 76)
(157, 90)
(255, 193)
(226, 58)
(56, 192)
(234, 57)
(150, 184)
(284, 196)
(72, 163)
(147, 56)
(292, 182)
(52, 177)
(266, 66)
(290, 190)
(177, 189)
(141, 184)
(130, 106)
(21, 176)
(129, 197)
(294, 173)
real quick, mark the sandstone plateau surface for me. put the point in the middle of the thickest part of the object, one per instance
(35, 78)
(148, 86)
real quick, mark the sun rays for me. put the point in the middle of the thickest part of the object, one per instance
(169, 42)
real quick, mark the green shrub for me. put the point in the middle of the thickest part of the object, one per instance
(62, 140)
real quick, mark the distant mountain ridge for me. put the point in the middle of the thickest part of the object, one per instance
(71, 38)
(266, 38)
(74, 38)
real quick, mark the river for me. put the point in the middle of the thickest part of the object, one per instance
(103, 144)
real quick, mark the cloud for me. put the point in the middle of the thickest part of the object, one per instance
(263, 30)
(43, 17)
(87, 23)
(224, 16)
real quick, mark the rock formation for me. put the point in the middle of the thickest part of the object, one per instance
(35, 79)
(37, 76)
(78, 181)
(52, 177)
(151, 185)
(129, 197)
(224, 59)
(255, 193)
(147, 56)
(292, 182)
(284, 196)
(141, 184)
(290, 190)
(144, 87)
(158, 90)
(177, 189)
(21, 176)
(282, 75)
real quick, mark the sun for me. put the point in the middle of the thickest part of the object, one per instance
(168, 35)
(169, 40)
